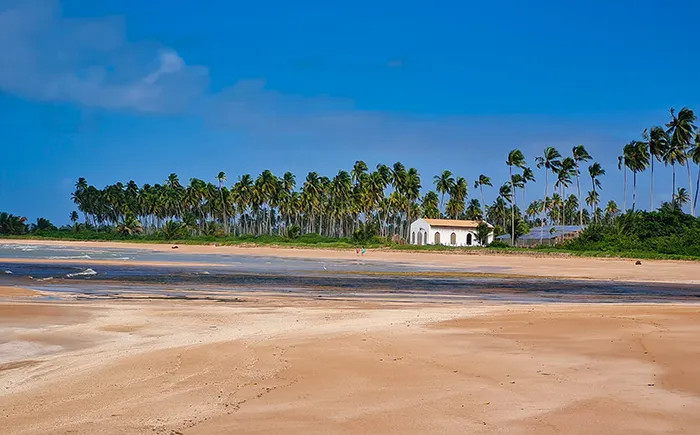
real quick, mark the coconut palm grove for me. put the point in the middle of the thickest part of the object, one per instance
(377, 204)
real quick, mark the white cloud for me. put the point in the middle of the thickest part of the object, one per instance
(48, 57)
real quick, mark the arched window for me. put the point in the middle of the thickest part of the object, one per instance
(453, 239)
(437, 238)
(420, 238)
(469, 239)
(413, 238)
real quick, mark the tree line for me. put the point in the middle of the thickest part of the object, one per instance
(388, 198)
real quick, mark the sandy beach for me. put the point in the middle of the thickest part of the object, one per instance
(267, 365)
(611, 269)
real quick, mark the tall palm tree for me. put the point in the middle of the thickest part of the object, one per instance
(622, 166)
(550, 160)
(505, 193)
(694, 155)
(358, 169)
(443, 184)
(482, 181)
(680, 131)
(580, 155)
(527, 176)
(657, 139)
(637, 160)
(458, 194)
(566, 170)
(412, 186)
(517, 159)
(221, 178)
(595, 171)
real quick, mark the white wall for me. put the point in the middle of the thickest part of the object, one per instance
(421, 226)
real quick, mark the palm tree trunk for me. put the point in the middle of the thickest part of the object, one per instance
(544, 204)
(690, 186)
(512, 207)
(651, 195)
(223, 207)
(563, 205)
(634, 189)
(697, 188)
(673, 194)
(578, 186)
(624, 189)
(483, 203)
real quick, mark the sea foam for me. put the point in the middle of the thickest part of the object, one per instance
(86, 272)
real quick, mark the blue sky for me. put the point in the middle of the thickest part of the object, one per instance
(119, 90)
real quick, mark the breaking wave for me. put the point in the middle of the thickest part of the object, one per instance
(86, 272)
(70, 257)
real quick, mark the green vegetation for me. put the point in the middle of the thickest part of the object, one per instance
(667, 231)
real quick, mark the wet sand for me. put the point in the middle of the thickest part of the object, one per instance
(11, 292)
(285, 365)
(612, 269)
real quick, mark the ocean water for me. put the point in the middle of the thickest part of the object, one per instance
(336, 279)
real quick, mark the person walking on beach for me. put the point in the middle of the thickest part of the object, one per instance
(363, 250)
(357, 251)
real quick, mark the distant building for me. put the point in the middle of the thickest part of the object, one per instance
(448, 232)
(546, 235)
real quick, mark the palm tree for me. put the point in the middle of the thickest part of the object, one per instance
(482, 181)
(534, 209)
(430, 205)
(473, 211)
(505, 193)
(592, 201)
(221, 178)
(358, 169)
(129, 226)
(611, 210)
(681, 197)
(564, 173)
(411, 193)
(515, 158)
(680, 131)
(527, 176)
(657, 139)
(637, 160)
(458, 194)
(595, 171)
(694, 155)
(580, 155)
(550, 161)
(622, 166)
(444, 184)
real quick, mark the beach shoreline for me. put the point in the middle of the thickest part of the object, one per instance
(556, 267)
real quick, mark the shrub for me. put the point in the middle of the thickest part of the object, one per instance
(293, 231)
(497, 244)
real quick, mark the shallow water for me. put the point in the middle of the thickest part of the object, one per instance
(343, 279)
